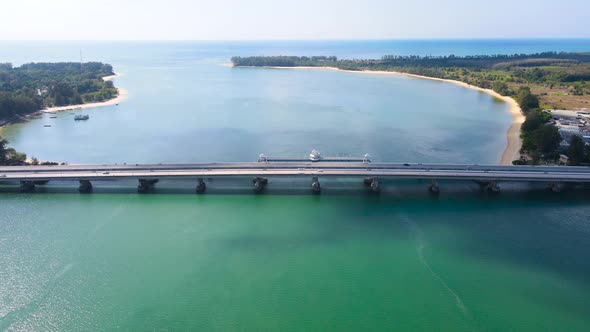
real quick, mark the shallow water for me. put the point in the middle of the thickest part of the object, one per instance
(292, 262)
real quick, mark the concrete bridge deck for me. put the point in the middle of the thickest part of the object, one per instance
(147, 175)
(295, 169)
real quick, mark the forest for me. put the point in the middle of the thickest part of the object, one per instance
(34, 86)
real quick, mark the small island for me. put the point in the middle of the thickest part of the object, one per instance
(533, 84)
(32, 87)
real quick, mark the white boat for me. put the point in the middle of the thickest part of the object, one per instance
(315, 155)
(262, 158)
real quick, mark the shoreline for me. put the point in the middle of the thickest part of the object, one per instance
(122, 95)
(514, 142)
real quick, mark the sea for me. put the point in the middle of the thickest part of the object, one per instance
(346, 260)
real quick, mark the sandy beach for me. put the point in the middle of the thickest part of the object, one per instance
(121, 97)
(514, 142)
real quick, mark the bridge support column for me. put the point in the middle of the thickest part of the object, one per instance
(373, 184)
(433, 188)
(554, 187)
(27, 186)
(492, 187)
(85, 186)
(201, 186)
(315, 185)
(259, 184)
(146, 185)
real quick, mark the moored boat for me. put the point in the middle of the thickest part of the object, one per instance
(315, 155)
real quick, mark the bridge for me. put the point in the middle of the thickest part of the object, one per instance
(266, 168)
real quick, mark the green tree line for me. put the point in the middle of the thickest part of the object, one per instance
(476, 61)
(283, 61)
(540, 139)
(482, 70)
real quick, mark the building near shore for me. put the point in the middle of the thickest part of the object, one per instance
(570, 123)
(564, 114)
(42, 92)
(583, 114)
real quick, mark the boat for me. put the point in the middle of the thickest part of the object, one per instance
(81, 117)
(47, 126)
(53, 117)
(262, 158)
(315, 155)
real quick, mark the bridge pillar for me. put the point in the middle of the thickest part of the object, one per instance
(201, 186)
(373, 184)
(85, 186)
(492, 187)
(146, 185)
(27, 186)
(554, 187)
(433, 188)
(315, 185)
(259, 184)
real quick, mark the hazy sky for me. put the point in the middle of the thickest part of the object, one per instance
(288, 19)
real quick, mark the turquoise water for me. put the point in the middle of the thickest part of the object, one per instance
(345, 260)
(290, 262)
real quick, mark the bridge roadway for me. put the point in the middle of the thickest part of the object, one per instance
(565, 174)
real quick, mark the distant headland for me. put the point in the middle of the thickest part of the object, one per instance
(52, 87)
(529, 83)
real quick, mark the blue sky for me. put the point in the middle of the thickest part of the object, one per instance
(287, 19)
